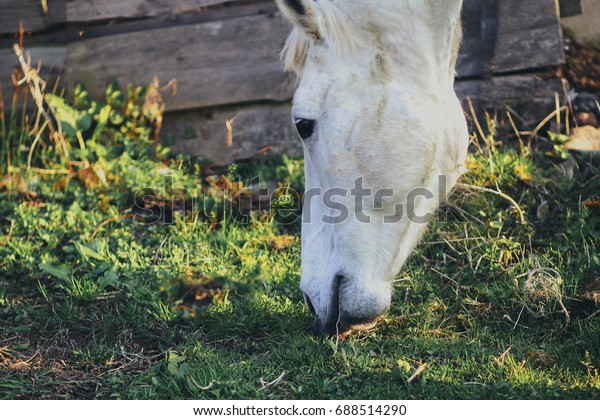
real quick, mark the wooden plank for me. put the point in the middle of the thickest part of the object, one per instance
(52, 59)
(501, 35)
(31, 13)
(204, 133)
(76, 11)
(480, 25)
(77, 31)
(530, 97)
(56, 36)
(98, 10)
(235, 60)
(215, 63)
(504, 36)
(49, 56)
(529, 36)
(570, 8)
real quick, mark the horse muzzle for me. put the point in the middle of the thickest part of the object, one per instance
(343, 312)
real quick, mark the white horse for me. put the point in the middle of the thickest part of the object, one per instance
(384, 137)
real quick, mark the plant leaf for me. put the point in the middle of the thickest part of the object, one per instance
(61, 272)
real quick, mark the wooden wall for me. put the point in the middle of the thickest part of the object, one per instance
(224, 56)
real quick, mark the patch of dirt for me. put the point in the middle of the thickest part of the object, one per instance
(582, 74)
(200, 291)
(281, 242)
(591, 290)
(583, 66)
(37, 366)
(56, 372)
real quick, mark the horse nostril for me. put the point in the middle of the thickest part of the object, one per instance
(329, 325)
(311, 308)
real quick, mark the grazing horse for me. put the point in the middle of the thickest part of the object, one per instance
(385, 139)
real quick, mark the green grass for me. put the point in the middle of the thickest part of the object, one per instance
(94, 303)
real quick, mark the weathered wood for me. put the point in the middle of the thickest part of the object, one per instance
(204, 133)
(480, 25)
(77, 31)
(31, 13)
(570, 8)
(529, 97)
(504, 36)
(216, 63)
(235, 60)
(52, 59)
(97, 10)
(48, 56)
(529, 36)
(36, 19)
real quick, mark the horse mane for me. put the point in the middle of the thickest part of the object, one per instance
(295, 50)
(333, 30)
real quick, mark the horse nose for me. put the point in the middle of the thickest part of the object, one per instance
(337, 319)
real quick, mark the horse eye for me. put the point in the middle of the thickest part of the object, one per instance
(306, 128)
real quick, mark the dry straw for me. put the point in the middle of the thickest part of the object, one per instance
(542, 292)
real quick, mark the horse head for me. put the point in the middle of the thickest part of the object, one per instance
(385, 139)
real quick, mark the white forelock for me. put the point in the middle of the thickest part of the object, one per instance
(401, 29)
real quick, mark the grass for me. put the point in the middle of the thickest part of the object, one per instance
(100, 300)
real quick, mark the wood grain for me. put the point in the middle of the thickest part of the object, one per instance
(529, 36)
(97, 10)
(31, 13)
(215, 63)
(255, 127)
(52, 59)
(570, 8)
(529, 96)
(504, 36)
(236, 60)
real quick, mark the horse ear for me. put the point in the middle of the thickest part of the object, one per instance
(302, 14)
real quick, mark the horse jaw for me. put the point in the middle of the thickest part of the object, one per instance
(389, 142)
